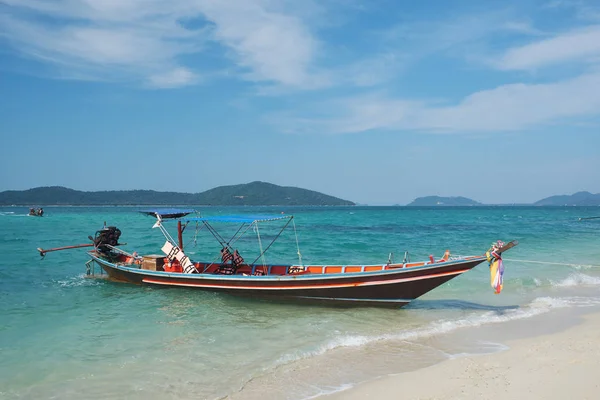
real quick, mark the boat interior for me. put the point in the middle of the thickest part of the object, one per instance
(162, 263)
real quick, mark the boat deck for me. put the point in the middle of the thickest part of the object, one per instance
(277, 269)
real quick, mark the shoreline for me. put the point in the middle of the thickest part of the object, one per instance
(556, 365)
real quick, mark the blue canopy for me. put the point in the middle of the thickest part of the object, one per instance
(168, 212)
(240, 218)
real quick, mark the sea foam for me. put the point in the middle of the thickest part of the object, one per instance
(538, 306)
(577, 279)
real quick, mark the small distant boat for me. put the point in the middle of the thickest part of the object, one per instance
(36, 212)
(390, 284)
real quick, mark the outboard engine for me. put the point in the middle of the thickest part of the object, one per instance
(108, 235)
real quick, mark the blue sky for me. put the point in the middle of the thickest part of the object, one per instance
(377, 101)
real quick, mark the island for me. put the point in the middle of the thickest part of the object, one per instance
(249, 194)
(582, 199)
(577, 199)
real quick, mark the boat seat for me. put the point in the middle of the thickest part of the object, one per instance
(225, 269)
(300, 273)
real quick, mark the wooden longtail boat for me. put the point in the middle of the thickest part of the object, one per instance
(390, 284)
(36, 212)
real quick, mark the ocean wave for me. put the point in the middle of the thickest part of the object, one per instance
(538, 306)
(330, 391)
(485, 347)
(12, 214)
(579, 267)
(79, 280)
(14, 239)
(578, 301)
(572, 280)
(577, 279)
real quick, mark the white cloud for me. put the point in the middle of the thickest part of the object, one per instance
(270, 44)
(456, 33)
(523, 27)
(177, 77)
(145, 39)
(584, 10)
(577, 45)
(516, 106)
(464, 36)
(509, 107)
(372, 71)
(101, 39)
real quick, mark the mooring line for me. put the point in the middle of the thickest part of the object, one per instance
(552, 263)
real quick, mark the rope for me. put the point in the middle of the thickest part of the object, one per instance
(198, 229)
(235, 239)
(552, 263)
(196, 232)
(219, 238)
(222, 240)
(297, 244)
(262, 253)
(215, 234)
(273, 241)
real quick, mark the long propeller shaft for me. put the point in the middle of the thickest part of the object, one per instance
(77, 246)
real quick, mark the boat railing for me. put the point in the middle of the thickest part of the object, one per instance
(458, 257)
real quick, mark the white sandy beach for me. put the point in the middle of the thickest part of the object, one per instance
(563, 365)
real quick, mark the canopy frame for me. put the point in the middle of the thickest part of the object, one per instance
(246, 223)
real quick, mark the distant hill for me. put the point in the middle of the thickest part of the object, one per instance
(577, 199)
(443, 201)
(263, 193)
(250, 194)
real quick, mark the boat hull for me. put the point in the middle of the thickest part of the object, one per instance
(390, 287)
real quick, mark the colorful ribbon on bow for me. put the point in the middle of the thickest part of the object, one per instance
(494, 258)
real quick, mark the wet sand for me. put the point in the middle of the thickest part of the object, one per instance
(558, 365)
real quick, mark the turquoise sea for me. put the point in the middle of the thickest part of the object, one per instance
(66, 336)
